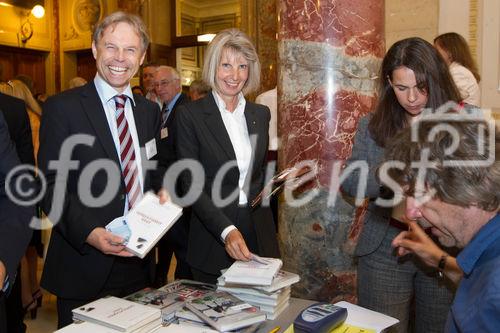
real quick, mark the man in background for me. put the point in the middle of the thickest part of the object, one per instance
(168, 88)
(148, 82)
(15, 232)
(198, 89)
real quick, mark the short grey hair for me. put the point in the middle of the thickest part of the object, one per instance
(173, 71)
(232, 40)
(460, 185)
(118, 17)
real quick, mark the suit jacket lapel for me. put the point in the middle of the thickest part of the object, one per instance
(253, 126)
(95, 111)
(140, 124)
(216, 126)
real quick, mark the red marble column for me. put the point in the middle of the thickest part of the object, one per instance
(329, 53)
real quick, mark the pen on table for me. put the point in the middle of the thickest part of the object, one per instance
(275, 330)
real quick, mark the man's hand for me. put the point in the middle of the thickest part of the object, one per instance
(164, 196)
(106, 242)
(416, 241)
(3, 273)
(236, 246)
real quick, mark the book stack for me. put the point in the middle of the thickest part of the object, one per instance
(225, 312)
(172, 297)
(112, 314)
(260, 283)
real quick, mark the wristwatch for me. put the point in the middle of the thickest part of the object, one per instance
(441, 265)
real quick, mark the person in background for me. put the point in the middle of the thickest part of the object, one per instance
(40, 98)
(28, 81)
(224, 127)
(31, 293)
(198, 89)
(21, 298)
(168, 89)
(457, 55)
(85, 261)
(462, 211)
(270, 99)
(413, 76)
(77, 81)
(14, 222)
(148, 84)
(138, 90)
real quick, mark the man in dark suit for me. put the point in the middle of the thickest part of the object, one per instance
(168, 88)
(16, 117)
(100, 126)
(14, 221)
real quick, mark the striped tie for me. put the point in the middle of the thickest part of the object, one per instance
(164, 115)
(127, 155)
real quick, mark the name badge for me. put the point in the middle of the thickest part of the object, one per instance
(164, 133)
(151, 148)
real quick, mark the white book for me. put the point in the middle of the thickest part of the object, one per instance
(258, 271)
(255, 292)
(184, 328)
(362, 317)
(281, 280)
(258, 301)
(88, 327)
(119, 314)
(272, 315)
(145, 224)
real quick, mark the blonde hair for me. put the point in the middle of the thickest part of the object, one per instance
(234, 41)
(18, 89)
(118, 17)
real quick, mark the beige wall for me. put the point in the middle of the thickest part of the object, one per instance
(489, 53)
(42, 39)
(410, 18)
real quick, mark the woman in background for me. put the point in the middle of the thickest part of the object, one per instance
(224, 130)
(463, 69)
(413, 76)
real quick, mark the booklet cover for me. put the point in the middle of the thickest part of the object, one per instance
(118, 314)
(145, 224)
(259, 271)
(225, 312)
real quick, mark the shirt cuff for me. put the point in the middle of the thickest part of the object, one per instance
(226, 231)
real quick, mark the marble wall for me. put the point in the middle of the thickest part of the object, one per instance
(329, 54)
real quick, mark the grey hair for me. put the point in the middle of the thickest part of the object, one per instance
(461, 185)
(232, 40)
(173, 71)
(118, 17)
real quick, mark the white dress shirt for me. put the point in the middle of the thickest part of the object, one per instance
(236, 127)
(106, 94)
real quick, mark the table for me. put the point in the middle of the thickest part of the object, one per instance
(287, 317)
